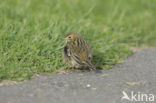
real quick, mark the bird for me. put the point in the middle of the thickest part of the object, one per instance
(77, 52)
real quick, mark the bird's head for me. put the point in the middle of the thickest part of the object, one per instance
(71, 37)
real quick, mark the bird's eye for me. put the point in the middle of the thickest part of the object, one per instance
(69, 37)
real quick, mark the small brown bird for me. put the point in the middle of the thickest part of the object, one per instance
(77, 52)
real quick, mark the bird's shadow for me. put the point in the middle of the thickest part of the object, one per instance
(86, 69)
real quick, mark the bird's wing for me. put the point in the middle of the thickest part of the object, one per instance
(81, 53)
(77, 59)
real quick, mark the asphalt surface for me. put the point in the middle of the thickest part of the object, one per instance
(137, 74)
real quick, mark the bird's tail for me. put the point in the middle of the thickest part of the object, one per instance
(91, 66)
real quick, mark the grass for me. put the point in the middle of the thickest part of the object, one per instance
(31, 32)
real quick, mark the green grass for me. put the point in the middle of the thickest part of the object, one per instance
(31, 32)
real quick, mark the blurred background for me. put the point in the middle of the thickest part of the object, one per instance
(31, 32)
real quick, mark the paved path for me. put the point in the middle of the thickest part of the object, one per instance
(137, 73)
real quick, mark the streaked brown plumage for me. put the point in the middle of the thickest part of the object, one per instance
(77, 52)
